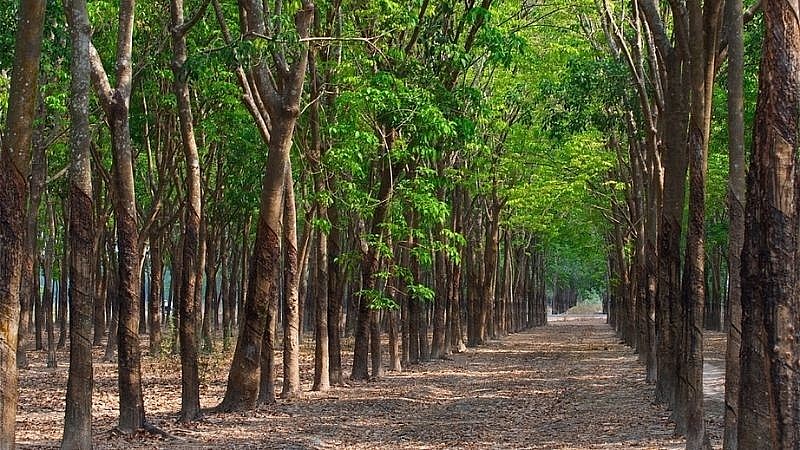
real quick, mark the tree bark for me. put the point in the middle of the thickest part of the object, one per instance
(80, 382)
(770, 385)
(335, 297)
(322, 321)
(14, 169)
(156, 295)
(291, 316)
(48, 296)
(190, 381)
(282, 103)
(736, 198)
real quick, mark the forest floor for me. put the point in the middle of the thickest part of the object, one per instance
(569, 385)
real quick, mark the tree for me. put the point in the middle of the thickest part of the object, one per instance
(736, 199)
(280, 88)
(15, 154)
(190, 381)
(78, 419)
(115, 102)
(768, 396)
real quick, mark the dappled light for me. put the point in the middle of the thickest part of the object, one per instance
(399, 224)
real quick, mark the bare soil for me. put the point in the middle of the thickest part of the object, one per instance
(569, 385)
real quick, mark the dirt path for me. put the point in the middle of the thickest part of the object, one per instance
(570, 385)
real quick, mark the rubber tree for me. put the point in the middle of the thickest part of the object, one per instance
(115, 101)
(78, 410)
(279, 86)
(770, 385)
(190, 381)
(15, 160)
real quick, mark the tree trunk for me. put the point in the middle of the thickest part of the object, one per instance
(14, 169)
(80, 382)
(335, 297)
(283, 107)
(156, 295)
(48, 296)
(100, 278)
(190, 381)
(112, 299)
(736, 199)
(63, 282)
(229, 301)
(322, 322)
(395, 364)
(439, 307)
(116, 104)
(490, 258)
(668, 309)
(266, 388)
(291, 316)
(770, 385)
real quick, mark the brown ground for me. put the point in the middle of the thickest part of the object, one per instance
(570, 385)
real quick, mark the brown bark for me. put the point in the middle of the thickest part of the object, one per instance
(322, 321)
(282, 106)
(335, 297)
(668, 309)
(116, 102)
(439, 307)
(736, 199)
(770, 385)
(100, 277)
(80, 383)
(291, 316)
(269, 345)
(14, 168)
(190, 381)
(62, 283)
(490, 259)
(48, 297)
(156, 295)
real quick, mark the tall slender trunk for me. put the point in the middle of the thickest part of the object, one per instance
(190, 381)
(291, 316)
(322, 321)
(439, 307)
(335, 297)
(490, 258)
(736, 211)
(80, 383)
(100, 277)
(66, 274)
(38, 178)
(211, 288)
(48, 296)
(156, 295)
(116, 103)
(668, 309)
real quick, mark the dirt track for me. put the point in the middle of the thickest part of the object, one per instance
(569, 385)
